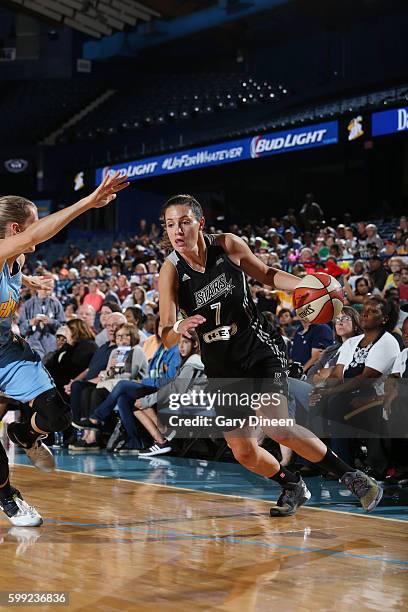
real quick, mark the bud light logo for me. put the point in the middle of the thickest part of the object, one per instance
(226, 152)
(299, 138)
(254, 146)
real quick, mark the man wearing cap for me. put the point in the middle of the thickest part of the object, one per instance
(377, 272)
(372, 236)
(40, 318)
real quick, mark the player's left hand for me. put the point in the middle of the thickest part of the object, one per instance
(107, 190)
(37, 283)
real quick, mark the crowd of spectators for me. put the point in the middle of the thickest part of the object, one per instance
(97, 331)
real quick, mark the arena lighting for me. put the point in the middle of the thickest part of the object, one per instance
(96, 18)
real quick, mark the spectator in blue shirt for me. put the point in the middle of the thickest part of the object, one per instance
(309, 342)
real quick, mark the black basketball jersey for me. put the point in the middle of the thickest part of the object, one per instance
(235, 335)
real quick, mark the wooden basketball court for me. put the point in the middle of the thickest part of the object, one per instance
(121, 545)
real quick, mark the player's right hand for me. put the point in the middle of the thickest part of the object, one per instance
(107, 190)
(189, 324)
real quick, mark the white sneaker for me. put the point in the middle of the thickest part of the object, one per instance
(19, 513)
(155, 449)
(41, 456)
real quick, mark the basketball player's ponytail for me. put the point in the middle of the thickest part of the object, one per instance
(13, 209)
(178, 200)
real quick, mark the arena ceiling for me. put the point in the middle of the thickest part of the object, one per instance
(99, 18)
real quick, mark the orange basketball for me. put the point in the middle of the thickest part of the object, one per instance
(318, 298)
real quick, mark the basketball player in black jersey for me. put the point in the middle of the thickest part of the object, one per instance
(204, 278)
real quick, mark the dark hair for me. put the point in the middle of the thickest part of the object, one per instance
(284, 311)
(388, 293)
(359, 279)
(114, 306)
(137, 314)
(14, 209)
(178, 200)
(355, 320)
(182, 200)
(389, 309)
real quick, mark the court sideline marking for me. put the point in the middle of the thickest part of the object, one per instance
(233, 495)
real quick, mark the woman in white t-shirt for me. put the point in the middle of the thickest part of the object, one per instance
(357, 381)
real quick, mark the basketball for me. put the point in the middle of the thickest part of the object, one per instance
(318, 298)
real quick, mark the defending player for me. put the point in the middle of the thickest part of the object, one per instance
(204, 277)
(22, 375)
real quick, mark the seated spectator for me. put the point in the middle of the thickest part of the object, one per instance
(395, 265)
(393, 294)
(162, 368)
(70, 311)
(372, 236)
(61, 337)
(285, 322)
(125, 364)
(403, 285)
(87, 314)
(110, 294)
(71, 359)
(153, 294)
(39, 319)
(95, 297)
(123, 287)
(134, 316)
(346, 325)
(377, 272)
(389, 249)
(191, 369)
(140, 273)
(308, 260)
(361, 292)
(351, 240)
(309, 342)
(107, 309)
(136, 298)
(83, 387)
(349, 394)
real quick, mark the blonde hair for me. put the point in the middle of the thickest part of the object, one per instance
(80, 330)
(14, 209)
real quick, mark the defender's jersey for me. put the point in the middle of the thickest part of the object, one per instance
(235, 335)
(10, 285)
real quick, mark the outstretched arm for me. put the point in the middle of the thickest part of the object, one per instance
(46, 228)
(242, 255)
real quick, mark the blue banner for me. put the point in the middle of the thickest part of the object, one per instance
(226, 152)
(390, 122)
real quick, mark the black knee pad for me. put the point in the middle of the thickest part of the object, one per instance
(53, 414)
